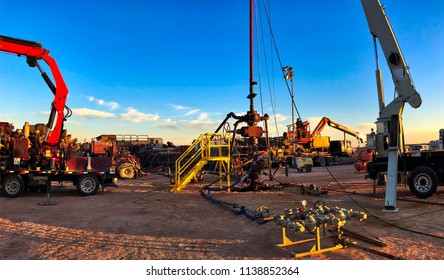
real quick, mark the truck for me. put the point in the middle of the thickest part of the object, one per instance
(37, 155)
(423, 170)
(322, 150)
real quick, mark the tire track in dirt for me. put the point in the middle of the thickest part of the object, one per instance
(55, 242)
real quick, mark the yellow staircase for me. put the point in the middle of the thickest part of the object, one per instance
(208, 147)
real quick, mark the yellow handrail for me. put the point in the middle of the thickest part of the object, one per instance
(207, 147)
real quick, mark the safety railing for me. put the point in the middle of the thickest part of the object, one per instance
(208, 147)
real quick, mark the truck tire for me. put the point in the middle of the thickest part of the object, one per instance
(13, 186)
(423, 182)
(88, 185)
(308, 168)
(329, 161)
(126, 171)
(322, 161)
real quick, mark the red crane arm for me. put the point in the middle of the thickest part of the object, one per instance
(34, 52)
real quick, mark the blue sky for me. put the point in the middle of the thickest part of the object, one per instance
(174, 69)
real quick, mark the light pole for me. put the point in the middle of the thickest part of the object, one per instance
(288, 75)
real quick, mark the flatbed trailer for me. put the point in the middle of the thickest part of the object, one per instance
(14, 182)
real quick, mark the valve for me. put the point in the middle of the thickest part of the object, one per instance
(262, 214)
(337, 222)
(296, 226)
(356, 214)
(311, 223)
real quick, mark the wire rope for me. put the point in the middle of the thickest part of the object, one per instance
(259, 64)
(278, 55)
(272, 100)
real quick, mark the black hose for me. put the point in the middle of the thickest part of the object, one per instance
(236, 209)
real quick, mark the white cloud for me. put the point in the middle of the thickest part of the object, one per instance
(203, 117)
(240, 114)
(314, 121)
(45, 113)
(133, 115)
(167, 123)
(179, 107)
(75, 123)
(192, 112)
(279, 118)
(110, 104)
(89, 113)
(202, 125)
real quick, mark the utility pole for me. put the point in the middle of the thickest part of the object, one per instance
(288, 75)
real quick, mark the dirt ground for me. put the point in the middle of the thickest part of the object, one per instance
(143, 220)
